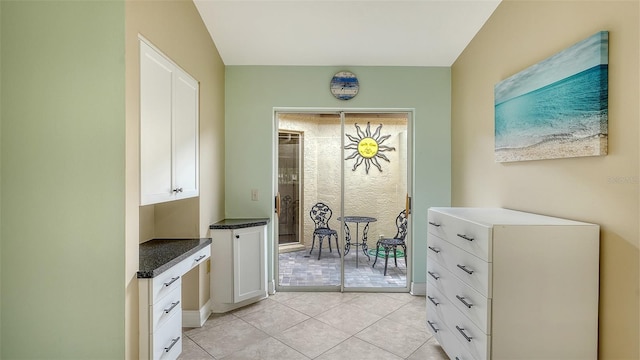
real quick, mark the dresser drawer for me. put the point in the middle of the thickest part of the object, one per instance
(167, 340)
(437, 325)
(467, 300)
(475, 341)
(469, 268)
(164, 309)
(471, 237)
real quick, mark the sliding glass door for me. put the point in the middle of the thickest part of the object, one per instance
(343, 185)
(375, 164)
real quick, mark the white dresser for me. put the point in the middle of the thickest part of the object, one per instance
(504, 284)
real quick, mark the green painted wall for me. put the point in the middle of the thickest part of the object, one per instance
(62, 186)
(253, 91)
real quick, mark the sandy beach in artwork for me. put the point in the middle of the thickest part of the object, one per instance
(556, 148)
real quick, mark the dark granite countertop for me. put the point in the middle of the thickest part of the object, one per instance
(238, 223)
(158, 255)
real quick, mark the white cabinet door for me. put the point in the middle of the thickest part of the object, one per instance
(156, 77)
(249, 263)
(168, 129)
(185, 136)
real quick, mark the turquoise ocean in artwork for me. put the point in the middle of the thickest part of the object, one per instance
(562, 98)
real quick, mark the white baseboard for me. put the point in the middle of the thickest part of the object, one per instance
(419, 288)
(196, 318)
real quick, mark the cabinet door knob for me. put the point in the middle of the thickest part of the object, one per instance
(237, 236)
(177, 190)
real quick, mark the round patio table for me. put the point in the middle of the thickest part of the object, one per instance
(358, 220)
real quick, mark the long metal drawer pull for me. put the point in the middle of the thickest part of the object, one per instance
(433, 275)
(173, 305)
(432, 326)
(173, 342)
(465, 237)
(434, 224)
(464, 268)
(461, 330)
(433, 300)
(201, 257)
(434, 249)
(172, 281)
(464, 302)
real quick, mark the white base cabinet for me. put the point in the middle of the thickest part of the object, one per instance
(504, 284)
(239, 264)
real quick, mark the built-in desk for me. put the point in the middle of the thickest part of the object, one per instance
(162, 263)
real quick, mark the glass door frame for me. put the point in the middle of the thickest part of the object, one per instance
(341, 112)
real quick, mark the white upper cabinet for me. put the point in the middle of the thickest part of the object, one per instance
(168, 129)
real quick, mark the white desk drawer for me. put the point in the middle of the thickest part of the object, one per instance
(167, 340)
(165, 308)
(467, 300)
(471, 237)
(198, 258)
(166, 282)
(469, 268)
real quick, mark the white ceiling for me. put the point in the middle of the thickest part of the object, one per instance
(338, 33)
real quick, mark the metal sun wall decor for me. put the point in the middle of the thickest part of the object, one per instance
(557, 108)
(367, 148)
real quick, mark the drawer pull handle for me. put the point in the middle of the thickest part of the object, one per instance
(173, 342)
(464, 268)
(434, 249)
(201, 257)
(435, 329)
(173, 305)
(172, 281)
(433, 275)
(461, 330)
(465, 237)
(433, 300)
(462, 300)
(434, 224)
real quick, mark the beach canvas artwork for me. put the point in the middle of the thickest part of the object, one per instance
(557, 108)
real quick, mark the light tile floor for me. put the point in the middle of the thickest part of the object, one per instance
(318, 325)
